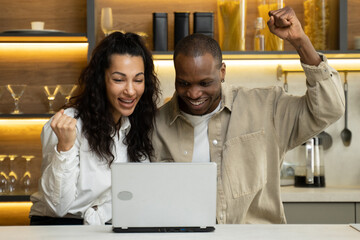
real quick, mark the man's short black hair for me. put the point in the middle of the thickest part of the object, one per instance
(198, 44)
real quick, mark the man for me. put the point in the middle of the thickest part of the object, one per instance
(245, 131)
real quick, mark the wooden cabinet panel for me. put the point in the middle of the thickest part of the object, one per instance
(357, 212)
(65, 15)
(320, 213)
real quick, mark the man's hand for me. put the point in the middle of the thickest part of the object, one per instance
(65, 130)
(284, 24)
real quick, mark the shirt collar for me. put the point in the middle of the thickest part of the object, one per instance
(125, 124)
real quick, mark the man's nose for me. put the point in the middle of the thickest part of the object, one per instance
(194, 92)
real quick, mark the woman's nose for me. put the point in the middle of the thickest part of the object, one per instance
(129, 89)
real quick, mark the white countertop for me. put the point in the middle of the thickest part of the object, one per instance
(326, 194)
(222, 232)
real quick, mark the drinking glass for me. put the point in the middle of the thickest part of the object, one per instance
(26, 181)
(16, 92)
(106, 20)
(51, 91)
(4, 180)
(12, 175)
(67, 90)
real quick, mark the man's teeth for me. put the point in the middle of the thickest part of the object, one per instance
(196, 103)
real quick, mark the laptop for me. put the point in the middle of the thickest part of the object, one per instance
(163, 197)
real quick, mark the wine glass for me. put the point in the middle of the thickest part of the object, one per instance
(26, 181)
(12, 175)
(67, 90)
(16, 92)
(106, 20)
(51, 91)
(3, 177)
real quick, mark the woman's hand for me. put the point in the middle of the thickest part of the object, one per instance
(65, 130)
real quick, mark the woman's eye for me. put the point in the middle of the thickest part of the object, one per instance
(139, 80)
(118, 80)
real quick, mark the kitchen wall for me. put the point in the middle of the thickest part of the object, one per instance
(342, 164)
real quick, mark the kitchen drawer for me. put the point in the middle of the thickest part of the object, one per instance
(320, 212)
(357, 212)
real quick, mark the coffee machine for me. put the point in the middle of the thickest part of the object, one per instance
(309, 170)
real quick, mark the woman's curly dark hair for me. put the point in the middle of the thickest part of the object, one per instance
(93, 107)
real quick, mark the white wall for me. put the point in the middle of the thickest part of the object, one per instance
(342, 164)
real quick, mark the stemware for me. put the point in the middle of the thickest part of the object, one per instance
(12, 175)
(106, 20)
(3, 177)
(26, 180)
(67, 90)
(16, 92)
(51, 91)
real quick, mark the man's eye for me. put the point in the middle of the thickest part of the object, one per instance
(204, 84)
(183, 84)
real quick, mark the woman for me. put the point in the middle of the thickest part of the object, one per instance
(111, 120)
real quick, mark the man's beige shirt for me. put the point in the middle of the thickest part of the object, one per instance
(249, 137)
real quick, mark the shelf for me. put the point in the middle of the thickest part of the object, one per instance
(26, 116)
(14, 198)
(335, 54)
(48, 37)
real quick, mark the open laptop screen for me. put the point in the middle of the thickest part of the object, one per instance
(157, 197)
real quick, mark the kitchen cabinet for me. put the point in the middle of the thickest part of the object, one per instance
(53, 57)
(329, 205)
(320, 213)
(129, 17)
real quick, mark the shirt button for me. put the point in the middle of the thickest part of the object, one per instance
(185, 152)
(215, 142)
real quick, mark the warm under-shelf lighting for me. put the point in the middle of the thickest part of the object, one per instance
(27, 128)
(38, 52)
(259, 62)
(58, 39)
(14, 213)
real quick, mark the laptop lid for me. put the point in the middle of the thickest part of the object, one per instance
(163, 197)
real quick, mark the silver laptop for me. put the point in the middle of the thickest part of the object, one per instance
(163, 197)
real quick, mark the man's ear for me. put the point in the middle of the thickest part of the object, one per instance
(223, 70)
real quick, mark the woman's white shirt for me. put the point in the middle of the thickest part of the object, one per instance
(75, 181)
